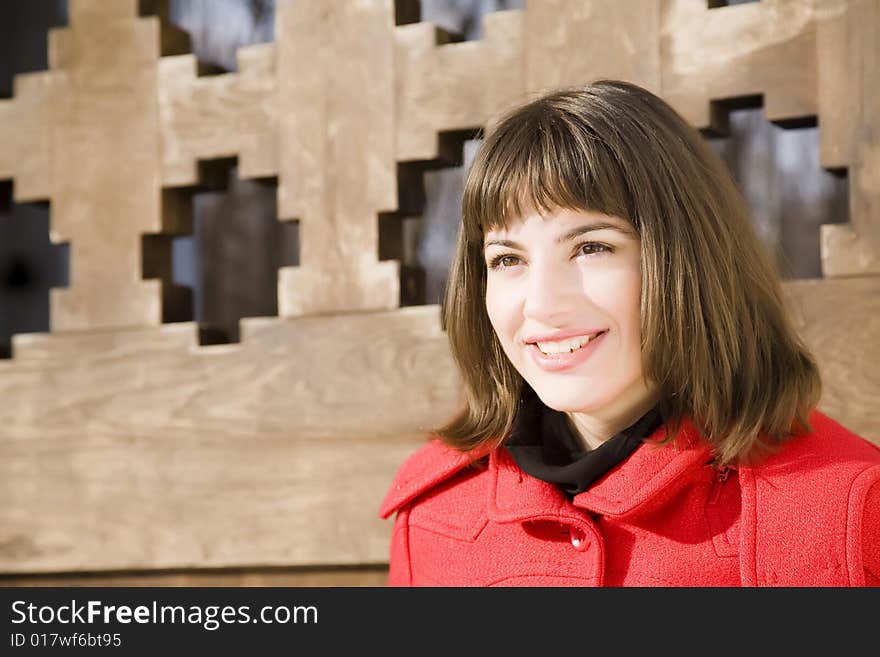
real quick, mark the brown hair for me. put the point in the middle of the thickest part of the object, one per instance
(716, 337)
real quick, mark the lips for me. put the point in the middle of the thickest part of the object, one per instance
(562, 335)
(556, 347)
(568, 359)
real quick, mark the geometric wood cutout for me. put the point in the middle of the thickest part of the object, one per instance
(24, 156)
(444, 86)
(766, 48)
(849, 128)
(196, 114)
(337, 163)
(104, 169)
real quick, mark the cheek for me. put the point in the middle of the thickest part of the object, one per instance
(499, 309)
(619, 296)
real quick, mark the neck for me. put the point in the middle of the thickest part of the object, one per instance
(594, 429)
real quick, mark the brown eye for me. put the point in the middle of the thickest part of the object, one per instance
(504, 262)
(592, 248)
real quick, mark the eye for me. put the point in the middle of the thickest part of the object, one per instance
(592, 248)
(504, 261)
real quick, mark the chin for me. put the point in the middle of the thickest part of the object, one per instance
(569, 401)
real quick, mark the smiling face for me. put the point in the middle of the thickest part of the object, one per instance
(563, 296)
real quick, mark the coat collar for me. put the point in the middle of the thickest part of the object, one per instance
(424, 469)
(652, 468)
(514, 495)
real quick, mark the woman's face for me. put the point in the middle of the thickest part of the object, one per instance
(563, 296)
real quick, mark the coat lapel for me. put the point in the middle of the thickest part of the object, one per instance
(514, 495)
(650, 470)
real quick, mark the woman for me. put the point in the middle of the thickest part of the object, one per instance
(639, 408)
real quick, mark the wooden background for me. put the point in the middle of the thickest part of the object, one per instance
(132, 452)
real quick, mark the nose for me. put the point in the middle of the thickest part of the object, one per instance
(551, 292)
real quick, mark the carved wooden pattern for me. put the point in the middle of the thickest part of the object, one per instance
(766, 48)
(125, 445)
(26, 141)
(104, 164)
(434, 76)
(849, 120)
(204, 118)
(338, 169)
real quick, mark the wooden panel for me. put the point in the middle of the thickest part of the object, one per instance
(840, 321)
(105, 168)
(338, 169)
(573, 42)
(838, 105)
(24, 156)
(78, 345)
(218, 116)
(277, 451)
(766, 47)
(444, 86)
(849, 116)
(365, 576)
(846, 251)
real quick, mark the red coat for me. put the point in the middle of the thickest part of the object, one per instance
(807, 516)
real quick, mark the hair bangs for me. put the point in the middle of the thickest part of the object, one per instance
(542, 162)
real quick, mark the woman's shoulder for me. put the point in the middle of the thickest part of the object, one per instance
(822, 485)
(832, 467)
(427, 468)
(829, 445)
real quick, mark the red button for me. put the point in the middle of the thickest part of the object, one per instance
(579, 539)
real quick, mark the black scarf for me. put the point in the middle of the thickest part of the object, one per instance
(543, 445)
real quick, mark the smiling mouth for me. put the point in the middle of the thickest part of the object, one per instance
(567, 346)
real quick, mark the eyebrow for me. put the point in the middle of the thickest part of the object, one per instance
(574, 233)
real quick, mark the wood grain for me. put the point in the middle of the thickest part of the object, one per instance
(849, 116)
(443, 86)
(764, 48)
(24, 156)
(573, 42)
(233, 114)
(338, 168)
(104, 164)
(839, 319)
(149, 452)
(837, 104)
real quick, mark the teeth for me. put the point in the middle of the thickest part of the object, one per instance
(565, 346)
